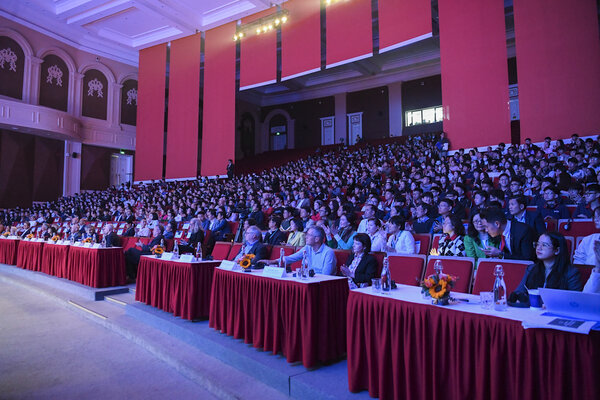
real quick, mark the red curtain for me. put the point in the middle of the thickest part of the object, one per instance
(151, 113)
(218, 129)
(349, 32)
(258, 59)
(301, 39)
(184, 96)
(474, 72)
(558, 67)
(402, 22)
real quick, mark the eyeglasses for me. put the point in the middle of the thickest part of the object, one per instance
(543, 244)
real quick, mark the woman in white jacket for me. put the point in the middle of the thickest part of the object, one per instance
(400, 241)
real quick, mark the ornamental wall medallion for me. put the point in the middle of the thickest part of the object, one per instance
(95, 86)
(8, 56)
(132, 96)
(54, 72)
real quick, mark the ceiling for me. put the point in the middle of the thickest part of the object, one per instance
(118, 29)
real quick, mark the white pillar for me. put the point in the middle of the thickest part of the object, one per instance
(77, 94)
(112, 112)
(340, 118)
(72, 168)
(395, 108)
(34, 89)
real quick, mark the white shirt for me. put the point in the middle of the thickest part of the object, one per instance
(402, 242)
(362, 227)
(593, 284)
(377, 242)
(584, 253)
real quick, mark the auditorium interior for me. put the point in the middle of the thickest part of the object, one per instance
(299, 199)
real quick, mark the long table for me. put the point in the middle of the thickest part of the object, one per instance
(29, 255)
(401, 346)
(305, 320)
(103, 267)
(176, 287)
(55, 259)
(8, 251)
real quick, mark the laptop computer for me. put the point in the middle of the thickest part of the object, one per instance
(573, 304)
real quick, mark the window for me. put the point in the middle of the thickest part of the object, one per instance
(423, 116)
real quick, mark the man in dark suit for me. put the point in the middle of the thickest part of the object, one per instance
(507, 239)
(110, 237)
(252, 245)
(275, 236)
(517, 206)
(129, 230)
(132, 255)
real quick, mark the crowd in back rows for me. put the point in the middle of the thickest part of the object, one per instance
(396, 188)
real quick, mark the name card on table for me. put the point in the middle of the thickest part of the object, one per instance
(96, 246)
(77, 243)
(167, 256)
(274, 272)
(227, 265)
(188, 258)
(87, 245)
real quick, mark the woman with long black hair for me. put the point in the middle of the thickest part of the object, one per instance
(551, 270)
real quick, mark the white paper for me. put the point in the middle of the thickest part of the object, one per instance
(274, 272)
(167, 256)
(189, 258)
(96, 246)
(559, 323)
(227, 265)
(88, 244)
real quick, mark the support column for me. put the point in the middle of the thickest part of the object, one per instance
(72, 168)
(77, 94)
(34, 88)
(395, 108)
(340, 118)
(116, 106)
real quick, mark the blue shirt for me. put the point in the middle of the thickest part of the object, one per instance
(322, 261)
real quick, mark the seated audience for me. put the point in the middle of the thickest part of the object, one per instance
(590, 202)
(343, 236)
(319, 256)
(517, 207)
(452, 241)
(551, 270)
(132, 255)
(297, 237)
(252, 245)
(476, 238)
(196, 237)
(110, 238)
(361, 266)
(274, 235)
(507, 239)
(584, 253)
(376, 234)
(400, 240)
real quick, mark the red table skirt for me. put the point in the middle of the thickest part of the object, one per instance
(401, 350)
(180, 288)
(29, 255)
(54, 260)
(305, 321)
(96, 267)
(8, 251)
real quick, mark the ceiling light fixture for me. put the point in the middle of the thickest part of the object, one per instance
(262, 25)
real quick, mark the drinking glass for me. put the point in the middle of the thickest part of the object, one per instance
(487, 300)
(376, 285)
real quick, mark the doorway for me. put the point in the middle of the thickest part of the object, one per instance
(121, 169)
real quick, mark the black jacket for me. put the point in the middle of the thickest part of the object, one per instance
(521, 242)
(112, 240)
(366, 270)
(260, 252)
(275, 238)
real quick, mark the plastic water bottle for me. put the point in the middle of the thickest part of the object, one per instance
(304, 267)
(199, 252)
(499, 290)
(438, 267)
(176, 249)
(281, 258)
(386, 277)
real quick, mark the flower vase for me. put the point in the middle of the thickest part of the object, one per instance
(444, 301)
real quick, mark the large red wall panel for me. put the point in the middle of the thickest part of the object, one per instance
(474, 72)
(184, 96)
(558, 67)
(218, 129)
(349, 32)
(258, 58)
(151, 113)
(402, 22)
(301, 39)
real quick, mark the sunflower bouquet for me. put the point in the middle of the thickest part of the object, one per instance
(157, 250)
(30, 236)
(246, 262)
(6, 234)
(87, 240)
(438, 288)
(55, 238)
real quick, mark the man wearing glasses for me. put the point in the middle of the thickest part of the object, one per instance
(319, 256)
(591, 201)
